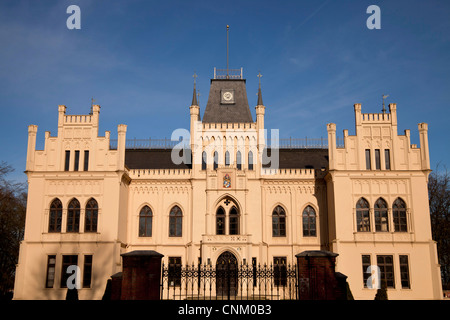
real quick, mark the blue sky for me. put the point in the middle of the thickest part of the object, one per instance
(137, 58)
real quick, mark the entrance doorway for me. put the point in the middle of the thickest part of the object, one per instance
(226, 275)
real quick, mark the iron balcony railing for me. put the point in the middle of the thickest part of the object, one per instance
(303, 143)
(228, 73)
(284, 143)
(149, 143)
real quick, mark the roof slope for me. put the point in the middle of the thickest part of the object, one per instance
(215, 112)
(152, 159)
(288, 159)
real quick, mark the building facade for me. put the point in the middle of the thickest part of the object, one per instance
(227, 190)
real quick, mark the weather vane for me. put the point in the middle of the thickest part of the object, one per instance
(92, 105)
(384, 97)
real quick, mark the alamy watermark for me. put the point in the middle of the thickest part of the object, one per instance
(232, 146)
(374, 280)
(73, 281)
(374, 21)
(74, 20)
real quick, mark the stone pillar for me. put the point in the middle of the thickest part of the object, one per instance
(316, 275)
(141, 275)
(116, 286)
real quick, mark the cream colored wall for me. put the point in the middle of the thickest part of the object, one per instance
(47, 180)
(121, 193)
(348, 180)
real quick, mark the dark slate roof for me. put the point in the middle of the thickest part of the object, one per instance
(222, 113)
(302, 158)
(260, 102)
(288, 159)
(153, 159)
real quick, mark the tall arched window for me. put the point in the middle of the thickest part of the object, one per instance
(220, 221)
(145, 222)
(216, 160)
(227, 158)
(54, 224)
(362, 215)
(399, 215)
(278, 222)
(250, 160)
(204, 160)
(381, 215)
(175, 222)
(91, 216)
(73, 216)
(309, 222)
(238, 161)
(234, 220)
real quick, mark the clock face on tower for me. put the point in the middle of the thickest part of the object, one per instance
(227, 96)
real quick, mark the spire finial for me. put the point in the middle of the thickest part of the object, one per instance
(228, 27)
(194, 95)
(260, 102)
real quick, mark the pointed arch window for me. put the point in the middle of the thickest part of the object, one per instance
(145, 222)
(238, 161)
(204, 160)
(309, 222)
(381, 215)
(227, 158)
(362, 215)
(278, 222)
(55, 217)
(175, 222)
(399, 215)
(234, 221)
(220, 221)
(216, 160)
(73, 216)
(91, 216)
(250, 160)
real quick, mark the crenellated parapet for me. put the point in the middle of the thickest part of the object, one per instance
(377, 145)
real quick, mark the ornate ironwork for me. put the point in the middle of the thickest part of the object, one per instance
(229, 280)
(284, 143)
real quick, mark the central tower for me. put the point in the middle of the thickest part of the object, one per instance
(227, 101)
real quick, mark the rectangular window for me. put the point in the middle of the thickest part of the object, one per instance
(67, 161)
(174, 271)
(279, 271)
(387, 159)
(368, 166)
(67, 261)
(386, 265)
(238, 161)
(87, 271)
(404, 272)
(51, 262)
(363, 220)
(216, 161)
(377, 159)
(365, 265)
(86, 160)
(250, 160)
(204, 160)
(77, 160)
